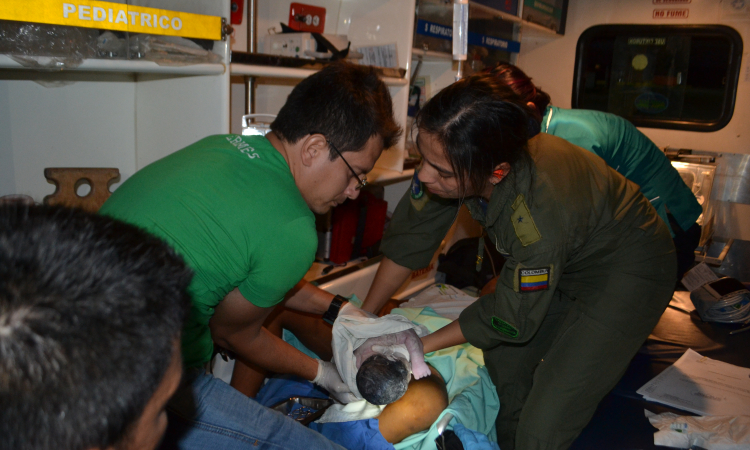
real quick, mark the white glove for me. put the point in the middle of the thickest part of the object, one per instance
(329, 379)
(409, 338)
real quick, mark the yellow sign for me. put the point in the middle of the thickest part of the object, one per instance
(112, 16)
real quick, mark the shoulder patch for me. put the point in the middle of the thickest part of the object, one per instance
(418, 197)
(504, 327)
(417, 191)
(530, 280)
(523, 223)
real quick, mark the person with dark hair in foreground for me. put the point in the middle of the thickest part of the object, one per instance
(90, 316)
(240, 211)
(624, 149)
(590, 266)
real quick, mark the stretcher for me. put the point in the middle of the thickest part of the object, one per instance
(472, 397)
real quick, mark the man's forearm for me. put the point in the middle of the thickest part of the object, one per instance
(237, 325)
(272, 354)
(308, 298)
(388, 279)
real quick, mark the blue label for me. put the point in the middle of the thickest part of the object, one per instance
(445, 32)
(433, 29)
(494, 42)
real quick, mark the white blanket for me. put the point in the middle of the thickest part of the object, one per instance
(444, 299)
(350, 330)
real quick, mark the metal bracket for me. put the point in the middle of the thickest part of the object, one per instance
(226, 29)
(701, 257)
(686, 154)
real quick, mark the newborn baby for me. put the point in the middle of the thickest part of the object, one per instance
(385, 364)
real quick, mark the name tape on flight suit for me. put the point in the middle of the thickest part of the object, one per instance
(113, 16)
(504, 327)
(523, 223)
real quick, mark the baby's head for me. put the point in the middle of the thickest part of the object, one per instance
(382, 380)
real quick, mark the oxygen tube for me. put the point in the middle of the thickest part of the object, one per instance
(460, 33)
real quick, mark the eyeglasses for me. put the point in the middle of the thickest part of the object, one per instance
(361, 182)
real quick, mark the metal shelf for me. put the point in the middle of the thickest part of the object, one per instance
(124, 66)
(291, 73)
(385, 176)
(430, 55)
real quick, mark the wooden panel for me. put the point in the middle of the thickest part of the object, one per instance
(67, 180)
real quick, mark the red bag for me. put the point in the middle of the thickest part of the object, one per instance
(356, 227)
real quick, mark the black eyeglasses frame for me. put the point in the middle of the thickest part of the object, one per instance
(361, 182)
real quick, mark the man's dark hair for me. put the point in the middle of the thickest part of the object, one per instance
(345, 102)
(90, 311)
(381, 381)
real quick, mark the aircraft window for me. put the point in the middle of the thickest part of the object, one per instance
(680, 77)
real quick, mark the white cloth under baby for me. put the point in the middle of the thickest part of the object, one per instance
(444, 299)
(350, 330)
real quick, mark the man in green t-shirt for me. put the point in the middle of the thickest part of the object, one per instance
(238, 209)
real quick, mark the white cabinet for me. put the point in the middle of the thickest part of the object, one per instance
(365, 22)
(107, 113)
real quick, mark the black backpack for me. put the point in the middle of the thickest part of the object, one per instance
(461, 267)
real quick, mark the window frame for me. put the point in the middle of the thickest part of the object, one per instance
(733, 69)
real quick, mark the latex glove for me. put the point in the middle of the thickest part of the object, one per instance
(329, 379)
(409, 338)
(474, 440)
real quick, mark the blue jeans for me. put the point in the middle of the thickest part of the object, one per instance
(206, 413)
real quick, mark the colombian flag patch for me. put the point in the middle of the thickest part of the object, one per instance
(534, 279)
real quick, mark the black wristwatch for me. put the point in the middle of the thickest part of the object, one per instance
(333, 310)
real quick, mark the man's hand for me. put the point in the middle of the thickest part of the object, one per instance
(329, 379)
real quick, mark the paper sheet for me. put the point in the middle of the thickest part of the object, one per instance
(698, 276)
(707, 432)
(703, 386)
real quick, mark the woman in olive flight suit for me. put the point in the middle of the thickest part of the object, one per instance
(590, 266)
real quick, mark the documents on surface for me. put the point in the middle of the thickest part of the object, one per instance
(698, 276)
(702, 386)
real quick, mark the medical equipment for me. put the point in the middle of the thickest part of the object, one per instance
(725, 300)
(303, 409)
(447, 439)
(460, 33)
(252, 126)
(295, 45)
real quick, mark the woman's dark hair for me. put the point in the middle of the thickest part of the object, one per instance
(480, 122)
(381, 381)
(347, 103)
(516, 79)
